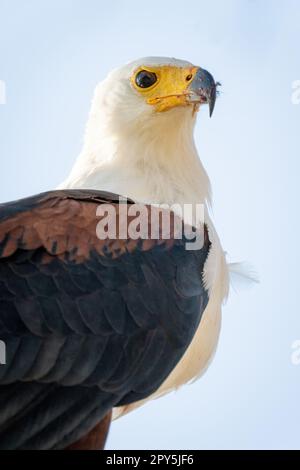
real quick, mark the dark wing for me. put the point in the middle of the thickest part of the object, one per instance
(88, 324)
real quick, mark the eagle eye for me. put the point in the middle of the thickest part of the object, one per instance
(145, 79)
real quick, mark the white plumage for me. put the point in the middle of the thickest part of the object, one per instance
(150, 157)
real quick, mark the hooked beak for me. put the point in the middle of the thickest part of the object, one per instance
(203, 89)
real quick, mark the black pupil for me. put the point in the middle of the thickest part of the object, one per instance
(144, 79)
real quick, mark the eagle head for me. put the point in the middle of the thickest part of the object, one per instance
(141, 91)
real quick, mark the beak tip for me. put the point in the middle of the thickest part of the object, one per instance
(212, 102)
(205, 86)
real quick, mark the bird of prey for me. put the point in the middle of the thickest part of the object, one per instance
(94, 327)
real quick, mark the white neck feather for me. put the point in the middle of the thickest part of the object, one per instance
(153, 162)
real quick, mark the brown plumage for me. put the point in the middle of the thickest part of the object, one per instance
(55, 214)
(89, 324)
(96, 438)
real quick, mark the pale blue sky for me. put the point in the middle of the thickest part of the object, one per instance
(52, 54)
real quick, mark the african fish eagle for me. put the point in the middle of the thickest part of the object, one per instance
(95, 327)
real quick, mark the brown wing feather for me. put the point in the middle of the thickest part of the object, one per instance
(56, 214)
(89, 324)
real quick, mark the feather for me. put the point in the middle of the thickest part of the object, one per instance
(242, 275)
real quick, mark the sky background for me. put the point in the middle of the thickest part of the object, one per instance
(53, 53)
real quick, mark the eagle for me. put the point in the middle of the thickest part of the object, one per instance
(96, 326)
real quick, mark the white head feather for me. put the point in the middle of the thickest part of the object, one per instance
(132, 150)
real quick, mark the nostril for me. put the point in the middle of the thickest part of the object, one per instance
(189, 77)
